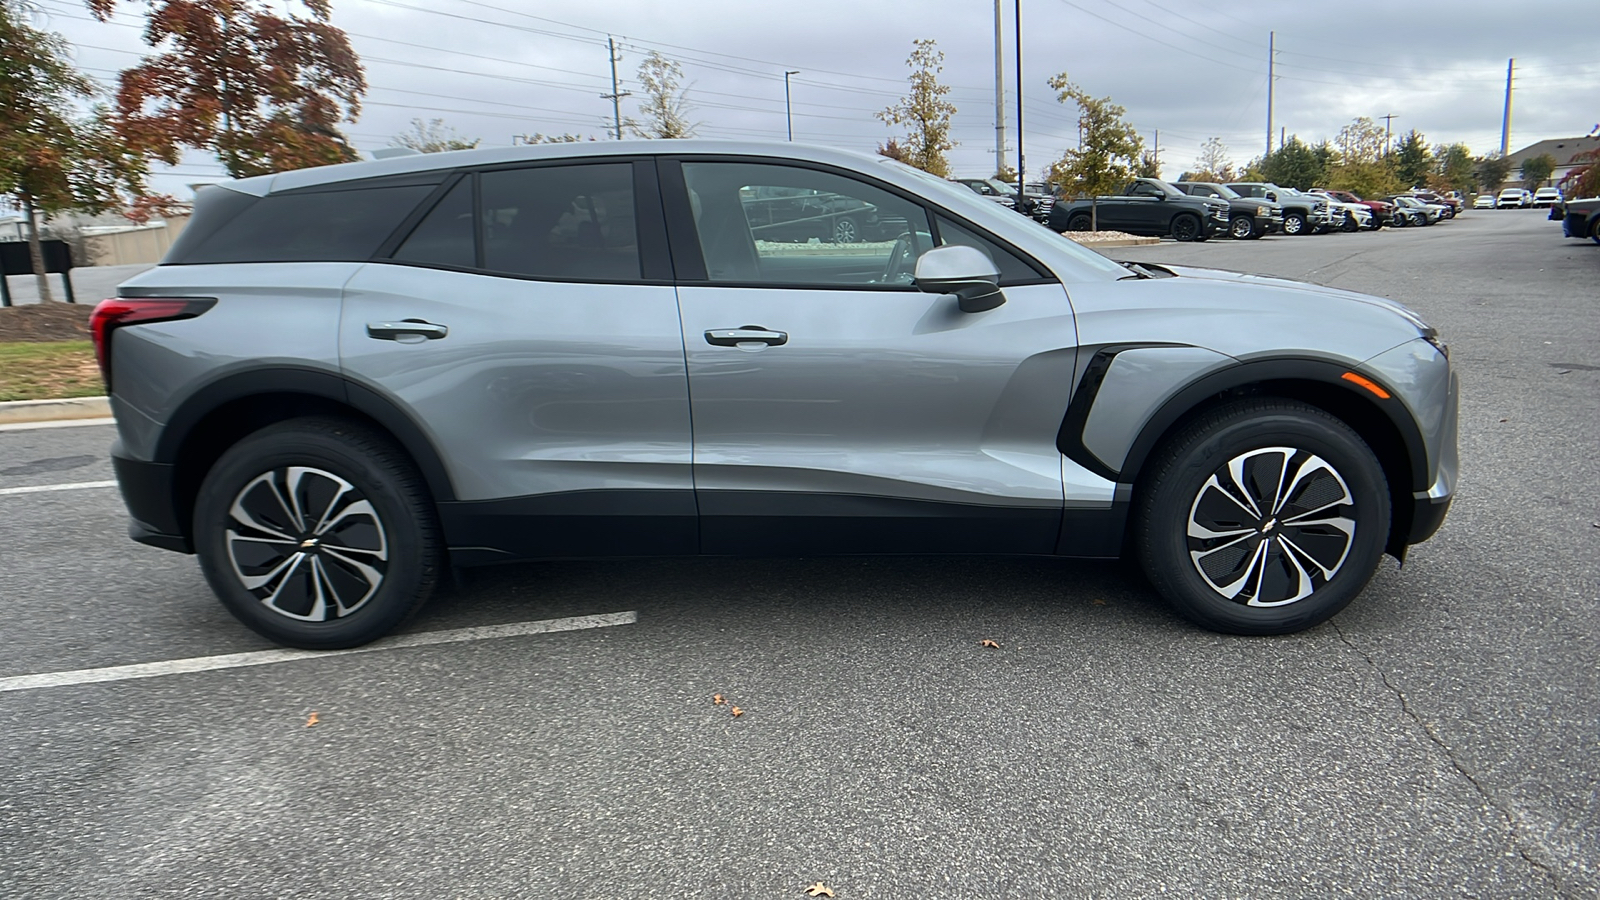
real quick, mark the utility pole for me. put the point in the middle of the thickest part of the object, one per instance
(1505, 123)
(1022, 196)
(788, 111)
(1157, 153)
(1388, 121)
(1272, 59)
(616, 95)
(999, 92)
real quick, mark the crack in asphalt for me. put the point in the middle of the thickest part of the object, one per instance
(1524, 845)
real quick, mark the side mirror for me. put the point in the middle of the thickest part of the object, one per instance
(966, 272)
(1273, 196)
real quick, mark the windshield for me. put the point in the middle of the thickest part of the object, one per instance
(1001, 186)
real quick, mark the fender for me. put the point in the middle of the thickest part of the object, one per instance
(1232, 378)
(315, 383)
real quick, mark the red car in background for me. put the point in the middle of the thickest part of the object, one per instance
(1382, 211)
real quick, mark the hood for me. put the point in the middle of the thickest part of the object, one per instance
(1272, 281)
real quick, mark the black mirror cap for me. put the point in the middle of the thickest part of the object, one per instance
(972, 296)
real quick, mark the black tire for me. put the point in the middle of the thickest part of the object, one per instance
(1594, 230)
(1184, 491)
(1400, 220)
(375, 548)
(1080, 222)
(1294, 223)
(1350, 224)
(1243, 228)
(845, 230)
(1187, 228)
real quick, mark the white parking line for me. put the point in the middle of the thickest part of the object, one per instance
(56, 423)
(267, 657)
(43, 488)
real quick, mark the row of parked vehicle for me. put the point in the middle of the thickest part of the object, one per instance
(1199, 210)
(1519, 198)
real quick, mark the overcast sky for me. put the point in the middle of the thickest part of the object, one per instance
(497, 68)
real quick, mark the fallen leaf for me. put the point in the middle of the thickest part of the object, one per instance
(819, 890)
(717, 700)
(311, 721)
(737, 712)
(1098, 602)
(1505, 420)
(988, 643)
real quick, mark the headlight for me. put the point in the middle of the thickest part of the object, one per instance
(1263, 211)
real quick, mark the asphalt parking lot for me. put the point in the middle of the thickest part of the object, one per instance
(1439, 738)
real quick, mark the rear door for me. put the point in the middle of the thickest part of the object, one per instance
(838, 409)
(528, 324)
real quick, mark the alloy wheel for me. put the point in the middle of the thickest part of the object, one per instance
(844, 231)
(306, 544)
(1271, 526)
(1293, 224)
(1243, 227)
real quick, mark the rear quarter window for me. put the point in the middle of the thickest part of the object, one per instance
(321, 226)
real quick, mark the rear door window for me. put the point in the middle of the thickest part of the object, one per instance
(563, 222)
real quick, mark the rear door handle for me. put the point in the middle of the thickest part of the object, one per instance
(745, 334)
(394, 331)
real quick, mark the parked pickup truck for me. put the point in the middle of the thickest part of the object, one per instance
(1581, 219)
(1147, 206)
(1302, 213)
(1250, 218)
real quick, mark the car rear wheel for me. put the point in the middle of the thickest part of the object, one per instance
(318, 533)
(1243, 228)
(1265, 516)
(1294, 223)
(1186, 228)
(1080, 222)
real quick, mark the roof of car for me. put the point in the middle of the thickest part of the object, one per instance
(262, 185)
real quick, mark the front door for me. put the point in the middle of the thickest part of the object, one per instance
(838, 409)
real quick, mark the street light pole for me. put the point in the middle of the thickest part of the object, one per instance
(1022, 195)
(788, 111)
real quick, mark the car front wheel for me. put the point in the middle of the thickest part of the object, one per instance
(1242, 228)
(318, 533)
(1186, 228)
(1294, 223)
(1265, 516)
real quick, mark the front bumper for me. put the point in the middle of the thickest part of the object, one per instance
(1217, 222)
(1269, 224)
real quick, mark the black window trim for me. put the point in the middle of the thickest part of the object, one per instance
(651, 233)
(690, 262)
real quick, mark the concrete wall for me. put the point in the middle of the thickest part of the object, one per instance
(124, 248)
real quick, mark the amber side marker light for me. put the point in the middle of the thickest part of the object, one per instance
(1367, 383)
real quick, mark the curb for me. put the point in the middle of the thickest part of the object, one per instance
(18, 411)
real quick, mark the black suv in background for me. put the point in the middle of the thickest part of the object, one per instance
(1302, 213)
(1249, 218)
(1147, 206)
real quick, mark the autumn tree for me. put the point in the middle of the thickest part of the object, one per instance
(265, 92)
(1583, 181)
(1110, 149)
(892, 149)
(665, 108)
(1492, 172)
(52, 159)
(1213, 164)
(924, 111)
(1411, 160)
(432, 136)
(1361, 166)
(1535, 170)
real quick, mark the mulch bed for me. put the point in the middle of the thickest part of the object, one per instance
(52, 321)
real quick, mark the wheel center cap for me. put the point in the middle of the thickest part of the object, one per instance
(308, 544)
(1271, 524)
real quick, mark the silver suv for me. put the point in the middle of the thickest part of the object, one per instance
(343, 380)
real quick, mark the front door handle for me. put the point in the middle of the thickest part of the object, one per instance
(414, 328)
(746, 334)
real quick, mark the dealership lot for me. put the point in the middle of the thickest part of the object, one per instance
(1440, 737)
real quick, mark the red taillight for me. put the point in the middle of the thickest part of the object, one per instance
(119, 311)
